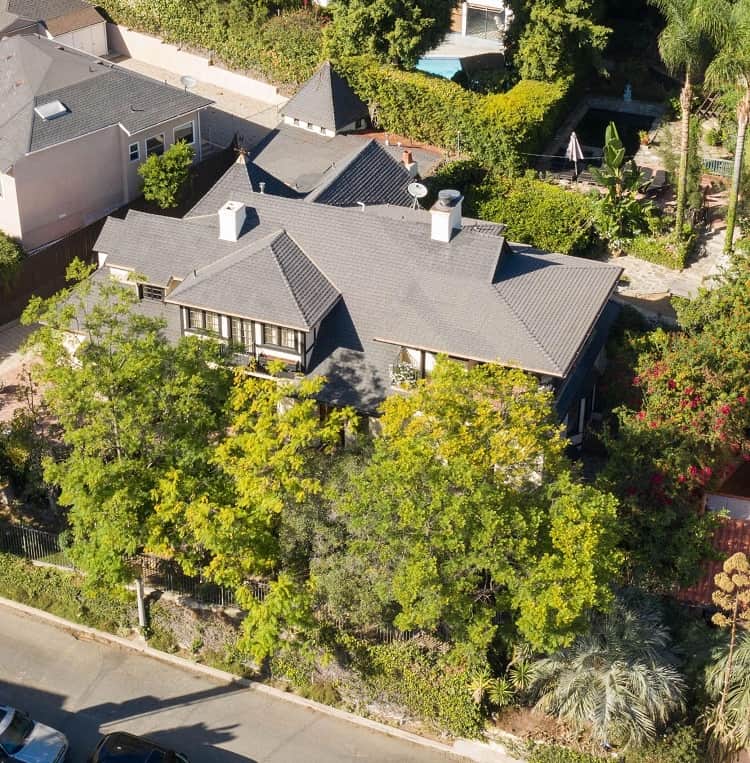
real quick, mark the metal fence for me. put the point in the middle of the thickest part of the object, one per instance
(721, 167)
(166, 575)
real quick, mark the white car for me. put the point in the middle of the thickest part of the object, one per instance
(26, 741)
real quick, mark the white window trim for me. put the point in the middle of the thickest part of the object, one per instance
(163, 143)
(137, 145)
(190, 124)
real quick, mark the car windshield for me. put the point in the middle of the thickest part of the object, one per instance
(14, 736)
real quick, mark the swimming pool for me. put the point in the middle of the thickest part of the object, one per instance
(590, 130)
(442, 67)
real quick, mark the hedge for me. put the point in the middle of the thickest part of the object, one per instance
(62, 594)
(11, 256)
(495, 129)
(664, 250)
(284, 49)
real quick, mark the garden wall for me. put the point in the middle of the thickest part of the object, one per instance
(153, 51)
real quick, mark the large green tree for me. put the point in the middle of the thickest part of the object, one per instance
(466, 516)
(690, 26)
(130, 405)
(394, 31)
(730, 69)
(164, 176)
(557, 37)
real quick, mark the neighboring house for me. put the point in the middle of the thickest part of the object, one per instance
(73, 131)
(326, 105)
(483, 20)
(365, 297)
(70, 22)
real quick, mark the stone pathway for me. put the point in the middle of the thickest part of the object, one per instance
(12, 360)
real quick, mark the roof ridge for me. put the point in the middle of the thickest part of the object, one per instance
(340, 168)
(283, 234)
(531, 333)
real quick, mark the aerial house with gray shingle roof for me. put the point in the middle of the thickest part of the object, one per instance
(73, 131)
(366, 297)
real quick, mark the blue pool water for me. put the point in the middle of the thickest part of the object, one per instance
(442, 67)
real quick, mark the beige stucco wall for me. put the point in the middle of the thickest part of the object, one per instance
(9, 220)
(68, 186)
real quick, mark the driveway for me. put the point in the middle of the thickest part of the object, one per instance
(86, 689)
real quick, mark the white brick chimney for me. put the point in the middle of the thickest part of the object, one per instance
(446, 215)
(231, 220)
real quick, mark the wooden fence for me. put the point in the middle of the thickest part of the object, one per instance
(42, 272)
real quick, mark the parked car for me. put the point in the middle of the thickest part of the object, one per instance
(24, 740)
(121, 747)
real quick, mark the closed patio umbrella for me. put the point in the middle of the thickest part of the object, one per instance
(574, 153)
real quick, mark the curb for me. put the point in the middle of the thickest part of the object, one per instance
(461, 748)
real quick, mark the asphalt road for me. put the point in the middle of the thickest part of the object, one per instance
(85, 689)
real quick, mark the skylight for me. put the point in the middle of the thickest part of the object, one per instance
(51, 110)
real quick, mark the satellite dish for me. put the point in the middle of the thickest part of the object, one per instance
(417, 191)
(188, 82)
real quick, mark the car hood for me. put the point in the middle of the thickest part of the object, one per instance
(43, 745)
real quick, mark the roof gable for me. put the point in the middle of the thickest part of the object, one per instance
(369, 176)
(271, 280)
(326, 100)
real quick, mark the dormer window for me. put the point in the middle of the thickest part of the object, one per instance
(154, 293)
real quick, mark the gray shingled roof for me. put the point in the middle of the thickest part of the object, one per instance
(97, 94)
(269, 280)
(474, 297)
(70, 22)
(326, 100)
(370, 175)
(41, 10)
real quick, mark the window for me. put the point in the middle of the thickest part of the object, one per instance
(310, 126)
(485, 23)
(242, 333)
(134, 152)
(184, 133)
(203, 320)
(211, 322)
(155, 145)
(322, 129)
(280, 337)
(296, 122)
(152, 292)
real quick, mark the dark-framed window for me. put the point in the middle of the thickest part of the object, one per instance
(203, 320)
(155, 145)
(134, 152)
(242, 333)
(155, 293)
(185, 133)
(278, 336)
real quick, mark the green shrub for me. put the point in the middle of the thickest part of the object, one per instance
(62, 594)
(540, 214)
(682, 745)
(664, 250)
(423, 682)
(713, 136)
(164, 176)
(496, 129)
(552, 753)
(11, 256)
(283, 48)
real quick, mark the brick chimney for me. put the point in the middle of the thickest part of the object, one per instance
(408, 161)
(446, 215)
(231, 220)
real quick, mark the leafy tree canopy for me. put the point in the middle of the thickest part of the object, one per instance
(130, 405)
(164, 176)
(11, 255)
(394, 31)
(466, 511)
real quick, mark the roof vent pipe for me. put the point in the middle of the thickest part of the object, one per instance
(361, 205)
(262, 186)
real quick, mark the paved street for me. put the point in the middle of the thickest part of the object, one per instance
(85, 688)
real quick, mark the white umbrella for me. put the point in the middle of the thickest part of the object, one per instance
(574, 153)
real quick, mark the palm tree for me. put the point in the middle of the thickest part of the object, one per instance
(732, 67)
(690, 24)
(618, 679)
(730, 729)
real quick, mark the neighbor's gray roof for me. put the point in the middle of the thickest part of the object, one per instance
(41, 10)
(473, 297)
(97, 94)
(60, 16)
(270, 280)
(326, 100)
(70, 22)
(370, 176)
